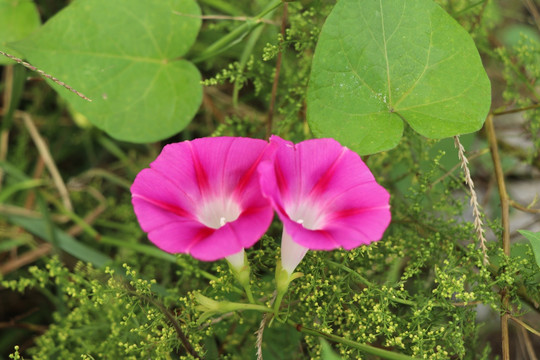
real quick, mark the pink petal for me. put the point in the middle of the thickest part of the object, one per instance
(152, 187)
(203, 197)
(325, 195)
(179, 236)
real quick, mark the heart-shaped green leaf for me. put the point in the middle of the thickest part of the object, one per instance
(18, 18)
(380, 62)
(534, 238)
(126, 56)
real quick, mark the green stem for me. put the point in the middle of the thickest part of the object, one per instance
(367, 282)
(368, 349)
(277, 303)
(256, 307)
(362, 279)
(19, 186)
(234, 36)
(249, 295)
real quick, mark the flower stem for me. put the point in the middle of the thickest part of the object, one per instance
(249, 294)
(257, 307)
(277, 303)
(368, 349)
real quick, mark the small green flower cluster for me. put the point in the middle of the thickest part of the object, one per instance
(109, 313)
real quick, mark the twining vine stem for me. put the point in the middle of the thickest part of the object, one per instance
(505, 215)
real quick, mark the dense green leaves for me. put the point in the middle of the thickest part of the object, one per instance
(378, 63)
(18, 18)
(126, 56)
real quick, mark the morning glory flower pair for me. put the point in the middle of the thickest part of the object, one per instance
(214, 197)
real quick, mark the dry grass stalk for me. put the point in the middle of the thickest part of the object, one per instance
(47, 158)
(259, 334)
(44, 74)
(478, 223)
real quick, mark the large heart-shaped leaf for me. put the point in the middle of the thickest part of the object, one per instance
(381, 62)
(18, 18)
(126, 56)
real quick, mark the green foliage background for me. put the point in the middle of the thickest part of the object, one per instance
(99, 290)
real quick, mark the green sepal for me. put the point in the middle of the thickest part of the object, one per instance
(283, 279)
(242, 274)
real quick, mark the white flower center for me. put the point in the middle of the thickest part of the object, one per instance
(307, 214)
(218, 211)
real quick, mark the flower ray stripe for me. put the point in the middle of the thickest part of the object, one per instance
(325, 179)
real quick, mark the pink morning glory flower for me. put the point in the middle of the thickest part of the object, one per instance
(203, 198)
(325, 196)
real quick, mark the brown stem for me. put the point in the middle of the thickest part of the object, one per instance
(45, 154)
(28, 326)
(170, 317)
(528, 344)
(512, 111)
(26, 258)
(523, 208)
(505, 205)
(526, 326)
(505, 212)
(276, 76)
(534, 12)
